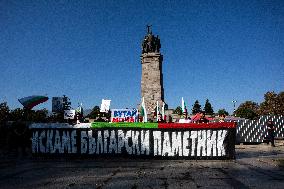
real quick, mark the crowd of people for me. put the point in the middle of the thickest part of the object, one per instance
(198, 118)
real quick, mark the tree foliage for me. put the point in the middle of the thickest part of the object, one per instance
(273, 104)
(56, 117)
(208, 108)
(248, 110)
(280, 97)
(99, 116)
(4, 112)
(19, 114)
(223, 112)
(66, 103)
(196, 107)
(95, 113)
(178, 110)
(37, 115)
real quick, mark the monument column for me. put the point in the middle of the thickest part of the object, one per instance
(152, 77)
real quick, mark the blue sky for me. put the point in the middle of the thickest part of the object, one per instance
(89, 50)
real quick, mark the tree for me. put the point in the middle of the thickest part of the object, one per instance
(4, 112)
(273, 104)
(37, 116)
(223, 112)
(248, 110)
(208, 108)
(17, 114)
(94, 113)
(178, 110)
(196, 107)
(56, 117)
(280, 97)
(99, 116)
(66, 103)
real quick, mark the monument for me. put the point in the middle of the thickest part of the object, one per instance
(152, 77)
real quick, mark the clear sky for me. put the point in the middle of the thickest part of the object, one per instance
(89, 50)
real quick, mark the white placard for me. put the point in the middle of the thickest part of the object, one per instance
(69, 114)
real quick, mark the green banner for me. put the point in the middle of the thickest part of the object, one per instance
(124, 124)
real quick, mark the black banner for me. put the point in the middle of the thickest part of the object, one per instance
(157, 143)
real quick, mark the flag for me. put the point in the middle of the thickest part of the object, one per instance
(79, 113)
(31, 101)
(158, 111)
(163, 111)
(79, 110)
(183, 106)
(143, 111)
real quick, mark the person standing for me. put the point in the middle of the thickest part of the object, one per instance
(270, 128)
(160, 119)
(186, 119)
(222, 118)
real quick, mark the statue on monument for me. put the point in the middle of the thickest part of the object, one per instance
(150, 42)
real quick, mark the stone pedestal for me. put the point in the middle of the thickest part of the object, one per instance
(152, 80)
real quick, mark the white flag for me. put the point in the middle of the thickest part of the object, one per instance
(105, 105)
(182, 105)
(158, 111)
(163, 111)
(143, 111)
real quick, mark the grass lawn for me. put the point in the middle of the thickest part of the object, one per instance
(124, 125)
